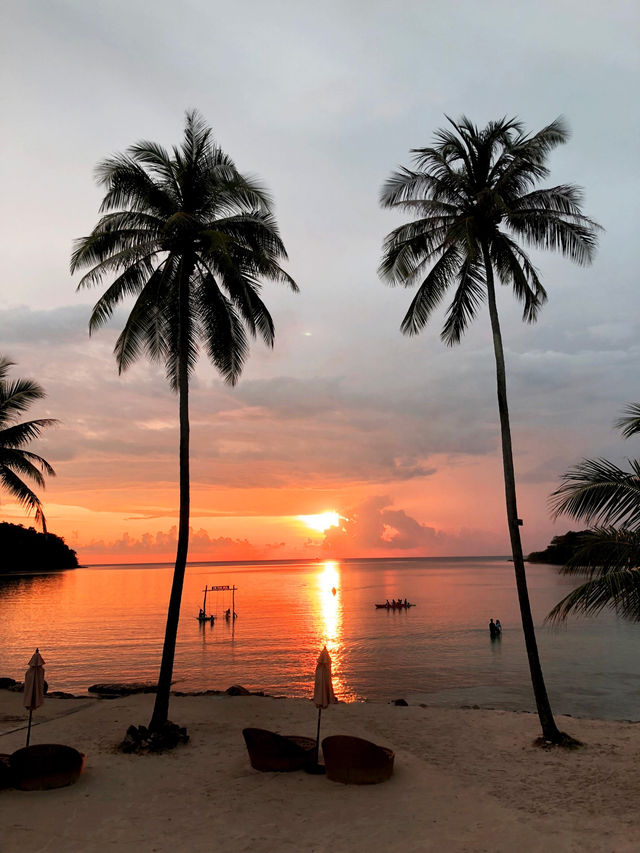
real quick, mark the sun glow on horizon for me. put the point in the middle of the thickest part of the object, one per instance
(321, 521)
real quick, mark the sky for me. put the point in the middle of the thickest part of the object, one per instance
(396, 438)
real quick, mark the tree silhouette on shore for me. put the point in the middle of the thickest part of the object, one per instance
(191, 239)
(473, 199)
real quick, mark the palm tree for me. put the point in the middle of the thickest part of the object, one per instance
(190, 238)
(607, 497)
(472, 195)
(15, 462)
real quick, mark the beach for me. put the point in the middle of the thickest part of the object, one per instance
(465, 779)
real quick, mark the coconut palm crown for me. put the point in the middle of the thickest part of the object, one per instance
(16, 463)
(473, 199)
(190, 239)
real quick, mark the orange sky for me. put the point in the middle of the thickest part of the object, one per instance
(397, 435)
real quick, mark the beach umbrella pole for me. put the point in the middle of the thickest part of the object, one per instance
(318, 735)
(29, 726)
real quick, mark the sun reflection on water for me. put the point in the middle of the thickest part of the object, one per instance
(330, 625)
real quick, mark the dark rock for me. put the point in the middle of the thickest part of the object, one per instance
(122, 689)
(402, 702)
(237, 690)
(60, 694)
(18, 686)
(196, 693)
(141, 740)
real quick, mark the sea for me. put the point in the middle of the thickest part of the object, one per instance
(106, 624)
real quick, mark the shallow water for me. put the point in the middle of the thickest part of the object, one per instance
(107, 623)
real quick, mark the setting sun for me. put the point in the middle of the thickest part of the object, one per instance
(321, 521)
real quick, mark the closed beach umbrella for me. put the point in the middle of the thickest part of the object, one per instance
(323, 694)
(34, 687)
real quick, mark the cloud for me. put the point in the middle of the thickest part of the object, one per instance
(376, 528)
(162, 544)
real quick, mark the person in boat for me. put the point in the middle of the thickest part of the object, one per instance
(201, 614)
(405, 602)
(227, 613)
(388, 605)
(498, 626)
(493, 631)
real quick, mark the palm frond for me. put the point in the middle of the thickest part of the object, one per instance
(469, 295)
(619, 591)
(514, 267)
(146, 326)
(18, 462)
(223, 332)
(130, 283)
(630, 422)
(575, 238)
(17, 396)
(18, 435)
(19, 489)
(604, 549)
(598, 491)
(431, 291)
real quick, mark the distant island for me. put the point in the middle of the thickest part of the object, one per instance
(560, 551)
(23, 548)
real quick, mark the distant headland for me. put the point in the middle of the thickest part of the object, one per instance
(559, 551)
(24, 549)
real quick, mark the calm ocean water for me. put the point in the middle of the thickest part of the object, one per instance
(106, 623)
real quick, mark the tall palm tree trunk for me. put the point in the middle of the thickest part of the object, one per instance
(161, 707)
(549, 729)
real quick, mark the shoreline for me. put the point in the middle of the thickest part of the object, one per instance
(465, 780)
(110, 691)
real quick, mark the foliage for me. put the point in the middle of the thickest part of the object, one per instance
(185, 215)
(191, 239)
(474, 200)
(474, 189)
(607, 497)
(560, 550)
(16, 463)
(26, 548)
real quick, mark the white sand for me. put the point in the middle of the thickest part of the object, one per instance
(465, 780)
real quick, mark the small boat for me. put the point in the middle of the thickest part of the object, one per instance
(398, 605)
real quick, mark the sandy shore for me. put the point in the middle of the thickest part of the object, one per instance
(465, 780)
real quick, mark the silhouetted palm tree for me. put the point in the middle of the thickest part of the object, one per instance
(607, 497)
(191, 239)
(472, 196)
(15, 462)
